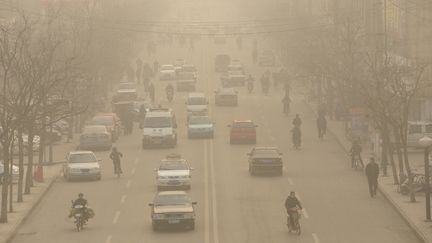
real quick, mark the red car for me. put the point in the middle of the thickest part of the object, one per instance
(243, 131)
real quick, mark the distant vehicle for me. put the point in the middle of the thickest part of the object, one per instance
(236, 65)
(178, 64)
(111, 121)
(172, 209)
(15, 172)
(226, 97)
(233, 79)
(196, 104)
(127, 86)
(265, 160)
(267, 58)
(222, 61)
(167, 72)
(126, 92)
(200, 127)
(219, 39)
(173, 172)
(243, 131)
(417, 130)
(185, 82)
(82, 165)
(95, 137)
(159, 128)
(190, 68)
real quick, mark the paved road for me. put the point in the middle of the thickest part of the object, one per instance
(233, 206)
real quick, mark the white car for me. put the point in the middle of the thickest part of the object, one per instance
(15, 172)
(178, 64)
(173, 172)
(167, 72)
(200, 127)
(82, 164)
(196, 104)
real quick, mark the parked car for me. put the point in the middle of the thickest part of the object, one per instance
(95, 137)
(265, 160)
(111, 121)
(200, 127)
(417, 130)
(173, 172)
(222, 61)
(15, 172)
(226, 97)
(167, 72)
(243, 131)
(172, 209)
(82, 165)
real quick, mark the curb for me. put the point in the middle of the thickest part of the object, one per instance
(14, 232)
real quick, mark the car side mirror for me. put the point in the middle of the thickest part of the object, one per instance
(151, 204)
(194, 203)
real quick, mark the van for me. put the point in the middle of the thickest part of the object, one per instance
(417, 130)
(196, 104)
(159, 128)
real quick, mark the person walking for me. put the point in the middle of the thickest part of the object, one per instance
(372, 172)
(322, 126)
(115, 157)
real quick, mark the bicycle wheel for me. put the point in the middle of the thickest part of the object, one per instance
(298, 228)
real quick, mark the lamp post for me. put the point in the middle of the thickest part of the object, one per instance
(426, 143)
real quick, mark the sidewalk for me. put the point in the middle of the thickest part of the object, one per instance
(412, 213)
(31, 201)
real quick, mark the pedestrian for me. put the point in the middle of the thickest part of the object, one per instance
(115, 157)
(372, 172)
(151, 90)
(322, 126)
(297, 121)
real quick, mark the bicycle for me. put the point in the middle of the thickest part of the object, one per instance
(295, 226)
(357, 164)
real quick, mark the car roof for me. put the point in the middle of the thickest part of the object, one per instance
(242, 120)
(266, 148)
(158, 114)
(227, 90)
(196, 94)
(171, 193)
(80, 152)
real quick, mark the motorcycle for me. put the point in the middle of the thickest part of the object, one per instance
(78, 214)
(295, 225)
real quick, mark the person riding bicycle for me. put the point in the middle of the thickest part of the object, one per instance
(80, 200)
(355, 152)
(292, 204)
(115, 157)
(250, 83)
(297, 121)
(286, 103)
(296, 137)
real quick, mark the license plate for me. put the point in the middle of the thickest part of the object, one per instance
(173, 221)
(173, 182)
(267, 161)
(157, 141)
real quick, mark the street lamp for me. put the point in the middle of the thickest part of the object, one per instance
(426, 143)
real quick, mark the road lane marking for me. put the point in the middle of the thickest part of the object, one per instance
(116, 217)
(214, 201)
(123, 199)
(315, 237)
(206, 199)
(133, 171)
(128, 184)
(290, 182)
(108, 239)
(136, 159)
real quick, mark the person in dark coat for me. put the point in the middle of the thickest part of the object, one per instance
(297, 121)
(322, 126)
(372, 172)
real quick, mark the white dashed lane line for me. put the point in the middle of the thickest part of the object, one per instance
(315, 237)
(133, 171)
(108, 239)
(123, 199)
(128, 184)
(116, 217)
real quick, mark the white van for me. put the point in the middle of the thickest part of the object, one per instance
(196, 104)
(159, 128)
(417, 130)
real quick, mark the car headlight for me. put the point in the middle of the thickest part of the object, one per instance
(158, 216)
(185, 177)
(188, 215)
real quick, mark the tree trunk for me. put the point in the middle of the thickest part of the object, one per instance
(399, 155)
(6, 180)
(388, 150)
(20, 165)
(29, 172)
(10, 178)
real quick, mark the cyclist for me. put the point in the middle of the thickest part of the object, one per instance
(115, 157)
(355, 152)
(292, 205)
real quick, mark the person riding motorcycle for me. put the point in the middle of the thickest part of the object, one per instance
(80, 201)
(355, 151)
(169, 90)
(292, 205)
(250, 83)
(115, 157)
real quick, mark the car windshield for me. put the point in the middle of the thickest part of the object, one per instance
(157, 122)
(243, 125)
(102, 120)
(174, 165)
(188, 68)
(186, 75)
(82, 158)
(414, 129)
(94, 129)
(127, 86)
(178, 199)
(194, 120)
(266, 151)
(197, 101)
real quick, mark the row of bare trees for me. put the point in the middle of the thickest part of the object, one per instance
(54, 65)
(353, 67)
